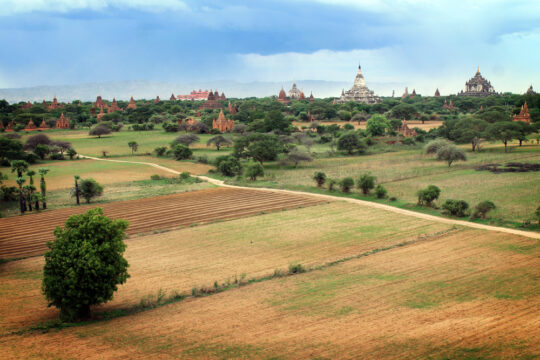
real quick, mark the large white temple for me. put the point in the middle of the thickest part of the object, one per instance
(359, 91)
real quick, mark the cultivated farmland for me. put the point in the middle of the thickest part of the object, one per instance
(27, 235)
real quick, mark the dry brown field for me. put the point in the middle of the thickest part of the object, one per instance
(27, 235)
(463, 294)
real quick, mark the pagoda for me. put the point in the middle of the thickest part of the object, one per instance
(44, 104)
(114, 106)
(211, 101)
(310, 117)
(359, 91)
(172, 98)
(311, 98)
(405, 130)
(406, 93)
(530, 91)
(223, 97)
(294, 93)
(31, 126)
(99, 102)
(157, 99)
(43, 125)
(282, 98)
(233, 109)
(26, 106)
(448, 106)
(334, 102)
(10, 126)
(478, 86)
(62, 122)
(222, 124)
(437, 93)
(413, 94)
(131, 104)
(54, 105)
(100, 115)
(302, 96)
(523, 115)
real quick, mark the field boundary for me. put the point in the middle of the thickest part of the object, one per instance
(217, 182)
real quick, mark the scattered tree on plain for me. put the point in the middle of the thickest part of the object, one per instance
(133, 146)
(366, 182)
(85, 264)
(346, 184)
(254, 170)
(219, 141)
(320, 178)
(482, 208)
(428, 195)
(100, 130)
(451, 153)
(89, 189)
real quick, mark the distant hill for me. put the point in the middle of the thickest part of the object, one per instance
(123, 90)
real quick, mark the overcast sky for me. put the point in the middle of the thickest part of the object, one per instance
(417, 43)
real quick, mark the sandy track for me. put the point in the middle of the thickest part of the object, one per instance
(528, 234)
(17, 239)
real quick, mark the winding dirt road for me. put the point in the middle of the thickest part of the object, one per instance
(529, 234)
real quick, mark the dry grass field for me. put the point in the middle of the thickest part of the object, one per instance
(19, 239)
(464, 294)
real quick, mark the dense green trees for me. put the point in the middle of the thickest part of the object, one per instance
(84, 264)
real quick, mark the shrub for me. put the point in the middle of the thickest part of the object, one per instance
(160, 150)
(229, 166)
(537, 214)
(57, 156)
(434, 145)
(184, 175)
(320, 178)
(366, 182)
(203, 159)
(296, 269)
(181, 152)
(168, 127)
(332, 184)
(351, 142)
(155, 177)
(393, 198)
(41, 150)
(254, 170)
(346, 184)
(408, 141)
(450, 153)
(455, 207)
(89, 189)
(428, 195)
(482, 208)
(85, 263)
(380, 192)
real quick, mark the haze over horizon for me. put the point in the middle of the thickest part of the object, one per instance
(416, 43)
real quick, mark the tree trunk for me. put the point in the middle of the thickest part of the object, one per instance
(29, 203)
(21, 202)
(520, 142)
(505, 142)
(37, 205)
(77, 192)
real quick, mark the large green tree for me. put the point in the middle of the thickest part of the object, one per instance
(84, 264)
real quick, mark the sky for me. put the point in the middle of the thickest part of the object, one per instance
(422, 44)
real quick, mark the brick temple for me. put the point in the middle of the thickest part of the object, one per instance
(62, 122)
(523, 115)
(223, 124)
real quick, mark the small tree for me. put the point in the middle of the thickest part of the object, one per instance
(350, 142)
(32, 189)
(366, 182)
(187, 139)
(451, 153)
(84, 264)
(219, 141)
(134, 146)
(455, 207)
(254, 170)
(160, 150)
(296, 156)
(332, 184)
(22, 205)
(483, 208)
(41, 151)
(346, 184)
(229, 166)
(71, 153)
(380, 192)
(89, 189)
(428, 195)
(100, 130)
(434, 145)
(19, 166)
(181, 152)
(320, 178)
(77, 191)
(43, 186)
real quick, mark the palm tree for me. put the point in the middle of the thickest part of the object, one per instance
(31, 174)
(43, 186)
(77, 177)
(20, 182)
(28, 192)
(20, 166)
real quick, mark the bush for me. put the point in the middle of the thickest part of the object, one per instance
(450, 153)
(89, 189)
(482, 208)
(393, 198)
(428, 195)
(366, 182)
(57, 156)
(168, 127)
(254, 170)
(332, 184)
(320, 178)
(155, 177)
(41, 151)
(346, 184)
(85, 263)
(380, 192)
(296, 269)
(181, 152)
(351, 142)
(184, 175)
(160, 150)
(229, 166)
(434, 145)
(455, 207)
(408, 141)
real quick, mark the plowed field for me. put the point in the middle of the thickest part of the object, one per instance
(27, 235)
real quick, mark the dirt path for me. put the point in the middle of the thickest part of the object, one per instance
(528, 234)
